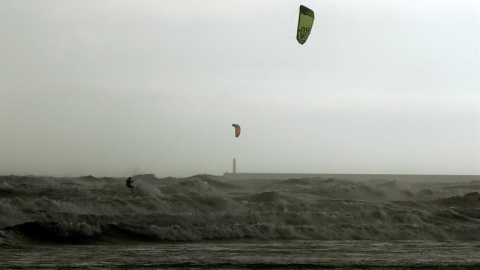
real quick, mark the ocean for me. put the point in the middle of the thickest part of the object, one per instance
(207, 222)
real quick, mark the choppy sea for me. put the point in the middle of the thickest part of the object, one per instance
(205, 222)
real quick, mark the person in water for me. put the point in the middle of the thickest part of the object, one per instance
(129, 182)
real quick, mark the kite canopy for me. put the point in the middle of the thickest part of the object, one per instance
(237, 130)
(305, 23)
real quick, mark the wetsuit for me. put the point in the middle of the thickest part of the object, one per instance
(129, 182)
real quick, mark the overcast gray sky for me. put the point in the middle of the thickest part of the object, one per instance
(112, 88)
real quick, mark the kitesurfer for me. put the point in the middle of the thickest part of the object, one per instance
(129, 182)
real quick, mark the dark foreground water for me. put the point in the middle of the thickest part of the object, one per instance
(255, 254)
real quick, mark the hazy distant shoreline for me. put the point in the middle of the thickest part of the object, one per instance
(356, 177)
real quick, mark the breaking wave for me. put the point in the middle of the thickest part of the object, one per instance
(205, 207)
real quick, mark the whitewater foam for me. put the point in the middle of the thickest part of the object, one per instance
(203, 207)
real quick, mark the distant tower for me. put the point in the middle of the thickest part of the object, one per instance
(234, 165)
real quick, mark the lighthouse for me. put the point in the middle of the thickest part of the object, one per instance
(234, 165)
